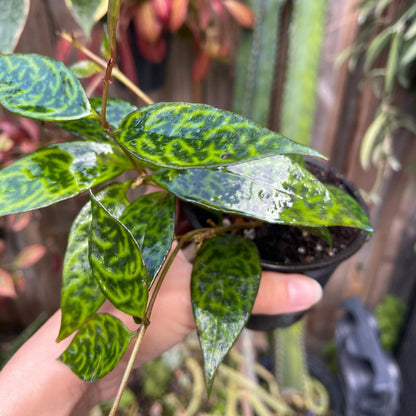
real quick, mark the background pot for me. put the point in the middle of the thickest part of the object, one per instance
(320, 269)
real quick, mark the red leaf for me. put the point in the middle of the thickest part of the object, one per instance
(7, 288)
(63, 50)
(31, 129)
(241, 13)
(153, 52)
(178, 14)
(200, 67)
(146, 22)
(17, 222)
(29, 256)
(162, 9)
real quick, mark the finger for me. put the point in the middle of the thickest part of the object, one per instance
(285, 293)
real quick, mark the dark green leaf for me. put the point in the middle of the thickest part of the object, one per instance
(81, 296)
(90, 128)
(116, 262)
(224, 285)
(39, 87)
(57, 172)
(97, 347)
(276, 190)
(181, 135)
(12, 21)
(151, 220)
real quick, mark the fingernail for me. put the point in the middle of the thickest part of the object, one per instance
(304, 292)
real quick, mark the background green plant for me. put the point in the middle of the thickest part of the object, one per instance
(389, 62)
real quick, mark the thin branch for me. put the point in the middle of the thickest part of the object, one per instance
(128, 370)
(116, 72)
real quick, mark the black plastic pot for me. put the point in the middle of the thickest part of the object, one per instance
(320, 270)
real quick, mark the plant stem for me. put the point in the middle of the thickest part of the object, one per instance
(107, 82)
(184, 239)
(189, 236)
(128, 370)
(112, 19)
(116, 72)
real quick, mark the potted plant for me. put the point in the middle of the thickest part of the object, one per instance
(119, 249)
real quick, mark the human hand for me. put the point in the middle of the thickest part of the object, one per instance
(34, 382)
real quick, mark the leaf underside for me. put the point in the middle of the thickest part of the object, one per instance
(224, 285)
(182, 135)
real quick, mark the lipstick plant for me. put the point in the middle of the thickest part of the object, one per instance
(118, 249)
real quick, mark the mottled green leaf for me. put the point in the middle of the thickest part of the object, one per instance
(81, 295)
(151, 220)
(90, 128)
(276, 190)
(116, 262)
(57, 172)
(182, 135)
(97, 347)
(87, 12)
(350, 205)
(12, 22)
(224, 285)
(39, 87)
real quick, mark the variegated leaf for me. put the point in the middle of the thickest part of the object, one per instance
(116, 262)
(151, 220)
(57, 172)
(90, 128)
(182, 135)
(13, 18)
(39, 87)
(81, 295)
(224, 285)
(97, 347)
(275, 190)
